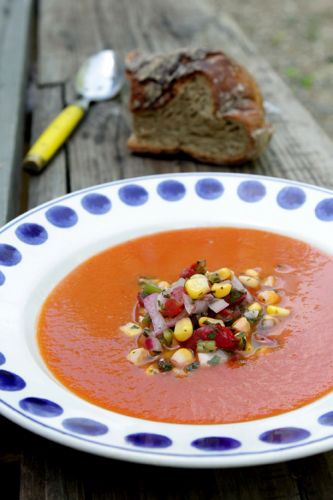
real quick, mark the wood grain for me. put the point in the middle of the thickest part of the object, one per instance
(68, 33)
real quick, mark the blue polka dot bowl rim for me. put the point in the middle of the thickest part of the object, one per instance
(43, 245)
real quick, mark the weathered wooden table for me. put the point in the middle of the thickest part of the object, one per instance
(64, 33)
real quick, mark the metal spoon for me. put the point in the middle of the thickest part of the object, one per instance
(100, 77)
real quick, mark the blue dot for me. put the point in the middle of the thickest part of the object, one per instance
(133, 195)
(2, 358)
(326, 419)
(324, 210)
(284, 435)
(146, 440)
(61, 216)
(171, 190)
(41, 407)
(10, 381)
(9, 256)
(2, 278)
(216, 443)
(209, 189)
(251, 191)
(85, 426)
(96, 204)
(33, 234)
(291, 198)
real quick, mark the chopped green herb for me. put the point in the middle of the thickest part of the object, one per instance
(211, 335)
(242, 340)
(201, 267)
(252, 316)
(167, 337)
(214, 361)
(234, 295)
(192, 366)
(206, 346)
(164, 365)
(146, 320)
(150, 288)
(214, 277)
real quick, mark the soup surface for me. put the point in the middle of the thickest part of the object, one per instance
(81, 343)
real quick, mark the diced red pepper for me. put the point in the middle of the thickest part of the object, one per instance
(223, 336)
(172, 308)
(198, 267)
(187, 272)
(229, 314)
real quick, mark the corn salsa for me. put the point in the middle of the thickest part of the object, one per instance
(203, 319)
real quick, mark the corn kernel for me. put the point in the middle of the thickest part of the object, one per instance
(152, 370)
(277, 311)
(221, 290)
(252, 272)
(249, 281)
(205, 320)
(197, 286)
(268, 322)
(242, 325)
(183, 329)
(224, 273)
(163, 285)
(182, 357)
(269, 297)
(138, 356)
(269, 281)
(255, 306)
(131, 329)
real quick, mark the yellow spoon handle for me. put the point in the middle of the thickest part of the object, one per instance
(54, 136)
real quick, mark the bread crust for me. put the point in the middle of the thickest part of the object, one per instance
(156, 80)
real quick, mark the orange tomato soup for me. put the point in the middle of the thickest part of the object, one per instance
(81, 344)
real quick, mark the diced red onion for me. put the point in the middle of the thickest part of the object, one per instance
(200, 306)
(218, 305)
(176, 284)
(177, 294)
(135, 312)
(171, 347)
(188, 304)
(152, 344)
(262, 340)
(161, 300)
(237, 285)
(151, 306)
(249, 298)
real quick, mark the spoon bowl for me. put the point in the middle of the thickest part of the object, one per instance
(99, 78)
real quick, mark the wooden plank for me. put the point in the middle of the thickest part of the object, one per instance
(68, 34)
(15, 20)
(265, 482)
(314, 476)
(52, 183)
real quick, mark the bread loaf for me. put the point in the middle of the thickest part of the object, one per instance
(198, 102)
